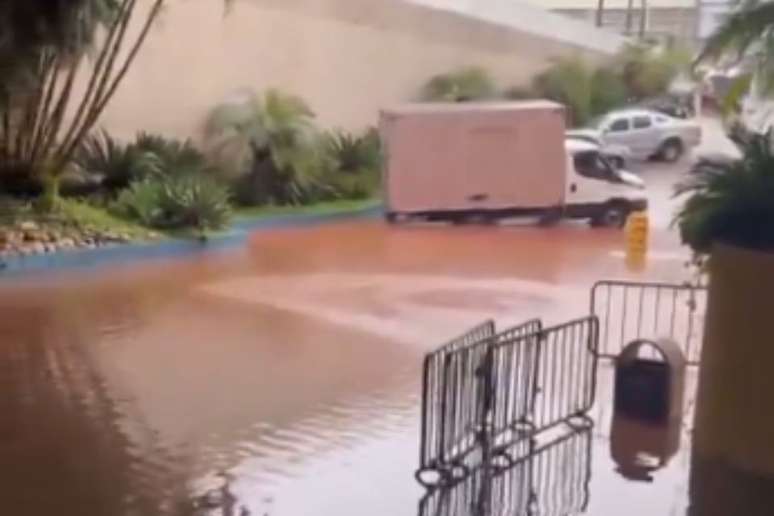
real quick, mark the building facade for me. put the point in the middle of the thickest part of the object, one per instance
(347, 58)
(660, 20)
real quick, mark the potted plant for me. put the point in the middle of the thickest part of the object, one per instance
(728, 218)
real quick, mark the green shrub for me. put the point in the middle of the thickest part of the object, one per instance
(117, 164)
(268, 145)
(648, 72)
(351, 153)
(608, 91)
(730, 200)
(195, 202)
(568, 81)
(140, 202)
(178, 202)
(177, 157)
(521, 93)
(466, 84)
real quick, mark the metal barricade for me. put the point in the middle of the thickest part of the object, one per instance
(550, 479)
(513, 383)
(631, 311)
(483, 393)
(566, 372)
(450, 397)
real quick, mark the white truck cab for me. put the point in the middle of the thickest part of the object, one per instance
(598, 191)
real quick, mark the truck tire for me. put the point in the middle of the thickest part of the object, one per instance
(672, 150)
(612, 215)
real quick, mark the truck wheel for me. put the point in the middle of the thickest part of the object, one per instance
(671, 151)
(397, 218)
(612, 216)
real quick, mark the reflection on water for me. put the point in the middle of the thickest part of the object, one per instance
(236, 382)
(548, 478)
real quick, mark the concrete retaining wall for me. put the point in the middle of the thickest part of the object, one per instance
(348, 58)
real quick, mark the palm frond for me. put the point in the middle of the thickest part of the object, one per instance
(730, 201)
(739, 31)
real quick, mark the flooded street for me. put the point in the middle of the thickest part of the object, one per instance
(290, 368)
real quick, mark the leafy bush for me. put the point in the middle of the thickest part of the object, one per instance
(647, 72)
(608, 91)
(730, 200)
(116, 164)
(521, 93)
(568, 81)
(352, 153)
(177, 157)
(268, 145)
(186, 201)
(140, 202)
(467, 84)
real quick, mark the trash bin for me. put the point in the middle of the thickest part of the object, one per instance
(650, 388)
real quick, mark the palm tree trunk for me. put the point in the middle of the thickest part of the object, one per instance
(629, 9)
(68, 148)
(643, 17)
(105, 55)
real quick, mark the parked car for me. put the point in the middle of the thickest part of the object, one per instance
(672, 105)
(647, 134)
(617, 155)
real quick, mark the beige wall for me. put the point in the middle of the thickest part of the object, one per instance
(348, 58)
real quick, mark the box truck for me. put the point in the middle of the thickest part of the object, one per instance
(485, 161)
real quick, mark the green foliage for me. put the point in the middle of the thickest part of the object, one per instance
(466, 84)
(521, 93)
(119, 164)
(116, 163)
(268, 144)
(732, 101)
(647, 72)
(194, 202)
(568, 81)
(352, 153)
(730, 201)
(608, 91)
(746, 27)
(177, 202)
(140, 202)
(177, 157)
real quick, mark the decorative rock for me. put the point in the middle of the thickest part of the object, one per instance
(66, 243)
(28, 225)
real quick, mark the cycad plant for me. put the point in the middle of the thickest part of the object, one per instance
(267, 142)
(116, 163)
(730, 201)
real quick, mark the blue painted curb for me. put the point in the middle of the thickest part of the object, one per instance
(83, 258)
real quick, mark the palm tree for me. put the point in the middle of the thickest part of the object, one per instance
(748, 27)
(269, 142)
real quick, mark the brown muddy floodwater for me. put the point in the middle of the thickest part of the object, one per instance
(288, 369)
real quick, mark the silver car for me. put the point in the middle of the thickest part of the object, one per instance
(647, 134)
(617, 155)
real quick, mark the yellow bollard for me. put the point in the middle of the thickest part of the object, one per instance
(637, 231)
